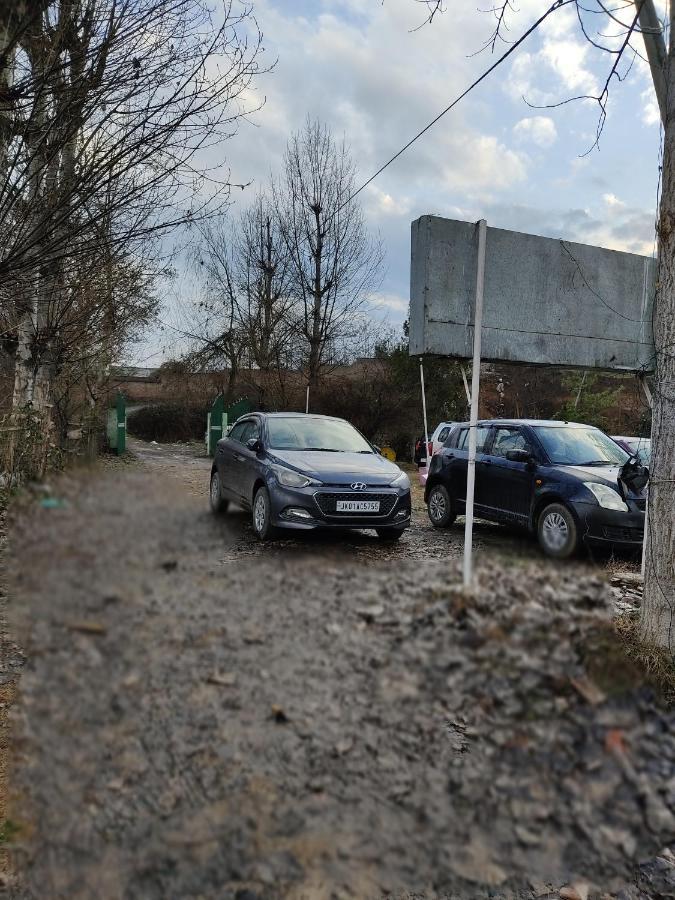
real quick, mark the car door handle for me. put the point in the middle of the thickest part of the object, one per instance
(485, 462)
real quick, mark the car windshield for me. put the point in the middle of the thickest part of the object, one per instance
(642, 447)
(309, 433)
(579, 446)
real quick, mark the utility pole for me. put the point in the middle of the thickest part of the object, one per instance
(655, 45)
(657, 624)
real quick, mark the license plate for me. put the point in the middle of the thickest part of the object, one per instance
(357, 506)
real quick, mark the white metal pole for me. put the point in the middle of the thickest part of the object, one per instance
(466, 387)
(475, 388)
(424, 413)
(307, 400)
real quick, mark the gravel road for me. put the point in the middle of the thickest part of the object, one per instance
(202, 716)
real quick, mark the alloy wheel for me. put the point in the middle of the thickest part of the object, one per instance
(259, 513)
(555, 531)
(215, 490)
(437, 506)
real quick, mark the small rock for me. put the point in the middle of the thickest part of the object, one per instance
(279, 715)
(370, 613)
(223, 679)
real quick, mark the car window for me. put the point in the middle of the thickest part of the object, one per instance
(508, 439)
(315, 433)
(251, 430)
(575, 446)
(481, 436)
(443, 434)
(237, 431)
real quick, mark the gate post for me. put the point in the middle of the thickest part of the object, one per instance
(121, 407)
(117, 425)
(215, 423)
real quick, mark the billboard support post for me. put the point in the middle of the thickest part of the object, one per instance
(466, 386)
(427, 455)
(475, 388)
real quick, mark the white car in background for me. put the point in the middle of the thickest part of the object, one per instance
(436, 441)
(636, 446)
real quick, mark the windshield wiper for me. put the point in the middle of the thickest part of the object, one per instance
(323, 449)
(598, 462)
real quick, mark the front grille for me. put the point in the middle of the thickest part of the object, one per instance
(623, 534)
(327, 502)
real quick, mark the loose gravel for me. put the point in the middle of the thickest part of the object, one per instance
(201, 716)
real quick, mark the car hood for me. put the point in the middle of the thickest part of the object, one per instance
(603, 475)
(339, 468)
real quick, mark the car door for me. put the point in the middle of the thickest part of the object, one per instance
(247, 463)
(458, 462)
(226, 451)
(507, 485)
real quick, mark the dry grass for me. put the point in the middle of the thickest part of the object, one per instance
(618, 661)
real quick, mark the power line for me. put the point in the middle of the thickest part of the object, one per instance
(557, 5)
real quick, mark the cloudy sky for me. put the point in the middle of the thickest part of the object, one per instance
(368, 71)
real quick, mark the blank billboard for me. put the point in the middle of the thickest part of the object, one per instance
(546, 301)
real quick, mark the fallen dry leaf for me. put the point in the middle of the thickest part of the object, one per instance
(224, 679)
(87, 627)
(588, 690)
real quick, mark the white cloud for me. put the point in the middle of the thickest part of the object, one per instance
(392, 302)
(613, 201)
(651, 114)
(540, 130)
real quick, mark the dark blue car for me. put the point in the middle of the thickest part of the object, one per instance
(567, 483)
(301, 472)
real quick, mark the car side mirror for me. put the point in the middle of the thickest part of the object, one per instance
(521, 456)
(254, 445)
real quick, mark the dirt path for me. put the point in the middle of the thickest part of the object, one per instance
(202, 716)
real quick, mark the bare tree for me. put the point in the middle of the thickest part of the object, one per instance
(334, 264)
(266, 307)
(111, 114)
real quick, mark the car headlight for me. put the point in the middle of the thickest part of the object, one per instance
(290, 478)
(401, 481)
(606, 497)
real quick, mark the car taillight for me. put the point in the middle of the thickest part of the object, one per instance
(431, 446)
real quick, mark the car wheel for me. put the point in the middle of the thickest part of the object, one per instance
(218, 503)
(389, 534)
(262, 515)
(439, 507)
(557, 532)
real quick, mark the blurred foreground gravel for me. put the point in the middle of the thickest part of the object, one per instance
(200, 717)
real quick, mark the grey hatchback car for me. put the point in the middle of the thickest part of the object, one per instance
(301, 472)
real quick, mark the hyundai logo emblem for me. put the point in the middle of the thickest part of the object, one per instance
(359, 486)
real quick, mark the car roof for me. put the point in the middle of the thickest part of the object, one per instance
(290, 415)
(549, 423)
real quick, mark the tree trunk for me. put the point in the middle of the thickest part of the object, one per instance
(657, 619)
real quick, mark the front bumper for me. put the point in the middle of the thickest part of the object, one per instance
(610, 526)
(318, 503)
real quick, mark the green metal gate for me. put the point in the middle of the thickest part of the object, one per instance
(219, 418)
(117, 425)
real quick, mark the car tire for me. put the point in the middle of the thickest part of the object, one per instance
(218, 503)
(389, 534)
(262, 515)
(557, 532)
(439, 507)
